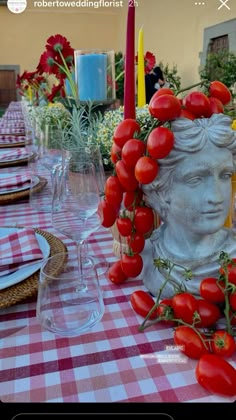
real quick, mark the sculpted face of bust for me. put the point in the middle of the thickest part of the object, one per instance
(192, 194)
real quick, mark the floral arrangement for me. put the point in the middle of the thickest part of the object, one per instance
(54, 114)
(58, 59)
(55, 68)
(33, 86)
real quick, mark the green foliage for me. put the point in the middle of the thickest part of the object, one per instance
(220, 66)
(171, 75)
(119, 75)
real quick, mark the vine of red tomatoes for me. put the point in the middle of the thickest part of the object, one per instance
(203, 328)
(135, 154)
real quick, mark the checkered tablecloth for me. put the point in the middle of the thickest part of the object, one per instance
(113, 362)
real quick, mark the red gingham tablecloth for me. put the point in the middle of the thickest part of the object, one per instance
(113, 362)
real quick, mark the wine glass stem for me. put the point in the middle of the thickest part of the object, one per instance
(81, 283)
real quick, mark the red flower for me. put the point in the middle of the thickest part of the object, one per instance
(58, 57)
(56, 43)
(57, 89)
(47, 64)
(149, 61)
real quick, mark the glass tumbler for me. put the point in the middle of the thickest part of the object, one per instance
(60, 308)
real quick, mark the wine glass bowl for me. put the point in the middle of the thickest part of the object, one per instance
(75, 202)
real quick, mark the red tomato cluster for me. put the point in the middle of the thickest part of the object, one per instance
(196, 331)
(166, 107)
(135, 162)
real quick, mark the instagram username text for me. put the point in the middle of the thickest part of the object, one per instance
(78, 3)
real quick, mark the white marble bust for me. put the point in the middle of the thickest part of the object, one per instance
(192, 195)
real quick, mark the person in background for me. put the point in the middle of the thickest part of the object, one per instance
(153, 82)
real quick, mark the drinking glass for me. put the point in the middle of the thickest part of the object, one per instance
(47, 155)
(58, 308)
(75, 203)
(93, 154)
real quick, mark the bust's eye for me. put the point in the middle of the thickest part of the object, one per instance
(194, 180)
(226, 175)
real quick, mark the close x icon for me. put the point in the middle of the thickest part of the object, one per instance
(224, 4)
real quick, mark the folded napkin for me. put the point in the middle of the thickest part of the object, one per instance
(11, 124)
(15, 180)
(13, 154)
(17, 250)
(11, 139)
(12, 130)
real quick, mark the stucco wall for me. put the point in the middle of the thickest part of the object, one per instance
(173, 30)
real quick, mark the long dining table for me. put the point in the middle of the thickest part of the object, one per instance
(111, 363)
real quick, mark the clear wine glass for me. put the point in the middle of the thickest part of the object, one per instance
(75, 202)
(93, 154)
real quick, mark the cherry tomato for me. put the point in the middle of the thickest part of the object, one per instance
(136, 242)
(222, 343)
(146, 170)
(107, 213)
(132, 265)
(116, 274)
(142, 302)
(187, 114)
(163, 91)
(220, 91)
(143, 219)
(184, 305)
(231, 271)
(210, 289)
(115, 153)
(209, 313)
(132, 151)
(160, 142)
(232, 301)
(198, 104)
(165, 107)
(125, 130)
(124, 226)
(190, 343)
(216, 375)
(113, 191)
(165, 311)
(216, 105)
(126, 176)
(132, 199)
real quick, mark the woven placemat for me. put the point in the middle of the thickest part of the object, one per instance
(19, 195)
(28, 288)
(18, 144)
(14, 163)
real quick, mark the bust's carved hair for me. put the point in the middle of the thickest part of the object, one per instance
(190, 137)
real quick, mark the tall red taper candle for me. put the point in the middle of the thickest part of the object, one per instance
(129, 80)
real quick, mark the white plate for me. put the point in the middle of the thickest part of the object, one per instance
(13, 159)
(24, 272)
(35, 181)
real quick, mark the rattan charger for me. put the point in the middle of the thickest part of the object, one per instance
(28, 288)
(19, 195)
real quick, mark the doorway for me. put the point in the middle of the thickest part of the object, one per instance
(8, 91)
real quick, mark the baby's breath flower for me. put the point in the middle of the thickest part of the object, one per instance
(109, 123)
(52, 114)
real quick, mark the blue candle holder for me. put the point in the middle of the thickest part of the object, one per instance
(95, 75)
